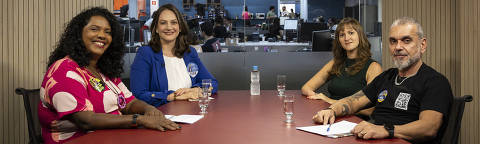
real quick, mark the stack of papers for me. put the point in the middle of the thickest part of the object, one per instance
(339, 129)
(190, 119)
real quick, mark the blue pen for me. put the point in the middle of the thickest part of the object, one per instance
(329, 125)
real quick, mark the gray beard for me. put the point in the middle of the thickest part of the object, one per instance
(402, 65)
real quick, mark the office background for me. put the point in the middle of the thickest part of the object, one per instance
(30, 29)
(326, 8)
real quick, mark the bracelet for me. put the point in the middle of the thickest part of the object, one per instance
(329, 108)
(134, 120)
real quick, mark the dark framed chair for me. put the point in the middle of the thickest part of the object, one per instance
(452, 131)
(31, 98)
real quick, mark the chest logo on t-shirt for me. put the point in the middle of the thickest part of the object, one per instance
(402, 101)
(382, 96)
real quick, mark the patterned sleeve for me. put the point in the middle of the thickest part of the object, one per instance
(128, 95)
(66, 88)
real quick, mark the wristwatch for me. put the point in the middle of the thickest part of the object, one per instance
(134, 120)
(390, 129)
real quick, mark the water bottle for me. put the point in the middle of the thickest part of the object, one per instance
(255, 81)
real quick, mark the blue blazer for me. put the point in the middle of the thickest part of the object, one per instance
(148, 78)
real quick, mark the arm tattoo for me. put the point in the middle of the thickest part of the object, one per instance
(357, 95)
(350, 102)
(346, 109)
(354, 97)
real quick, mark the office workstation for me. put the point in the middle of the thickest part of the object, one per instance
(255, 28)
(269, 66)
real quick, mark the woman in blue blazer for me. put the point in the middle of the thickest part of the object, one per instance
(168, 69)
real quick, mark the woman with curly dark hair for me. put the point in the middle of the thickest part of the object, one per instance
(351, 68)
(82, 84)
(160, 72)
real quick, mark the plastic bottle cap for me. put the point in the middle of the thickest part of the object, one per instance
(255, 68)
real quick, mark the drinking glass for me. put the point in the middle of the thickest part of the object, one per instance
(288, 108)
(281, 83)
(203, 102)
(207, 86)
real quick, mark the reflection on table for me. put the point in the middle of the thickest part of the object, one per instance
(235, 117)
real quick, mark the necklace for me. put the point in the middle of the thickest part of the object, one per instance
(396, 83)
(98, 84)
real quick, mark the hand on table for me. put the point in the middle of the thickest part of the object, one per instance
(187, 93)
(324, 117)
(152, 111)
(157, 122)
(181, 91)
(366, 130)
(321, 96)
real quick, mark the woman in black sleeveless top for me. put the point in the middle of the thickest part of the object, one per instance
(351, 68)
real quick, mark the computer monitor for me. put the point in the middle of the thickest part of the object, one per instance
(322, 40)
(260, 15)
(255, 37)
(132, 32)
(290, 24)
(282, 20)
(305, 30)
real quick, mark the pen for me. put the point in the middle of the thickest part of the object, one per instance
(329, 125)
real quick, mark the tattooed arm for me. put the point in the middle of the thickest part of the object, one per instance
(345, 106)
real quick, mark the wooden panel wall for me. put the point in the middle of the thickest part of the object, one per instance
(29, 30)
(452, 36)
(468, 43)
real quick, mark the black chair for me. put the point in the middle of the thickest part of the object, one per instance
(31, 98)
(450, 135)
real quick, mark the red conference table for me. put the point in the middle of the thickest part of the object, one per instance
(234, 117)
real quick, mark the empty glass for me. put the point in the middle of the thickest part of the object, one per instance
(288, 108)
(203, 101)
(281, 83)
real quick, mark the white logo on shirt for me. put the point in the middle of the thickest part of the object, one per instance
(402, 101)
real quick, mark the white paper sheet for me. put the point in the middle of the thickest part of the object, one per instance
(339, 129)
(190, 119)
(209, 98)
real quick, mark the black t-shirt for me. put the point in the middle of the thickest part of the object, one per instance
(401, 104)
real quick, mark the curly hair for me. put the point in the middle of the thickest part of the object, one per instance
(340, 55)
(71, 43)
(181, 43)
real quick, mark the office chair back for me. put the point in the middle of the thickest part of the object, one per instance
(450, 135)
(31, 98)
